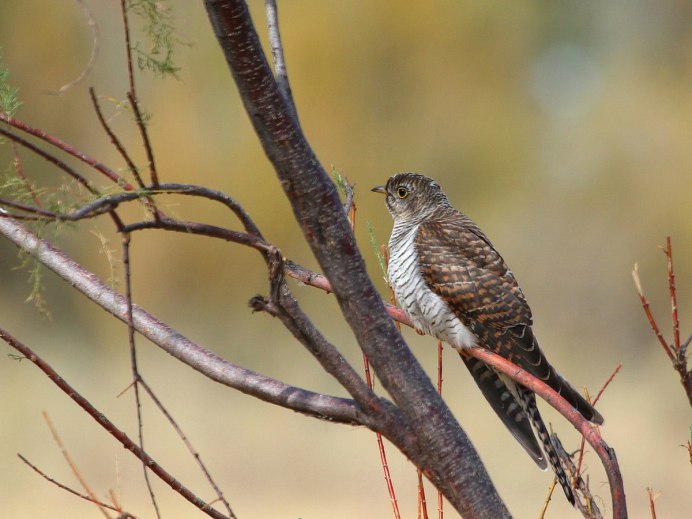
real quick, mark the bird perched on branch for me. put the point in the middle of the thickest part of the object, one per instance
(454, 285)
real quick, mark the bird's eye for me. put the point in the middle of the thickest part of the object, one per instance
(401, 192)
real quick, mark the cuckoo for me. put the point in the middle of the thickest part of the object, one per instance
(455, 286)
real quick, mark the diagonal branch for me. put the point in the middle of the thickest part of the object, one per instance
(206, 362)
(587, 430)
(282, 304)
(589, 433)
(109, 426)
(448, 458)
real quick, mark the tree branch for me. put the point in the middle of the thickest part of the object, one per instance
(448, 458)
(206, 362)
(109, 426)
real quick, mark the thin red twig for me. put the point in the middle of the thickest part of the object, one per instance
(673, 296)
(607, 383)
(590, 433)
(73, 465)
(649, 315)
(587, 430)
(383, 454)
(595, 400)
(652, 505)
(677, 353)
(422, 503)
(62, 145)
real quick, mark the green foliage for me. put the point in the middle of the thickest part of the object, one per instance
(113, 261)
(61, 200)
(36, 270)
(157, 17)
(339, 180)
(342, 185)
(377, 251)
(9, 103)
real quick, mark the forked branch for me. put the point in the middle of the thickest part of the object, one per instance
(677, 350)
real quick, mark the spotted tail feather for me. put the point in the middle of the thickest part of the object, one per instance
(529, 403)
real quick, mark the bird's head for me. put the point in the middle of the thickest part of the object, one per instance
(412, 197)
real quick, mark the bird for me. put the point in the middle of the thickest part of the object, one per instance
(454, 285)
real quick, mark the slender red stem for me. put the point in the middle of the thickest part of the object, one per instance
(383, 454)
(673, 295)
(593, 402)
(422, 503)
(649, 315)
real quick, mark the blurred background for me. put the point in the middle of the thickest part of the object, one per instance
(563, 129)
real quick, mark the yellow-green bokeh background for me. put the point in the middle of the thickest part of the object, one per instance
(563, 128)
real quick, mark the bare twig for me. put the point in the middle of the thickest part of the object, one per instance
(317, 280)
(86, 497)
(383, 454)
(652, 505)
(283, 305)
(422, 503)
(114, 139)
(134, 99)
(91, 21)
(37, 213)
(277, 52)
(128, 48)
(606, 384)
(136, 377)
(203, 360)
(544, 509)
(673, 297)
(595, 400)
(63, 146)
(134, 102)
(190, 447)
(48, 157)
(677, 352)
(109, 426)
(73, 465)
(649, 315)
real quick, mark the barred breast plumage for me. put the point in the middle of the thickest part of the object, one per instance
(428, 311)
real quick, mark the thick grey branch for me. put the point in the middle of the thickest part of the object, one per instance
(206, 362)
(447, 456)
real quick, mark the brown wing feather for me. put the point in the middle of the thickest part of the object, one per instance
(459, 264)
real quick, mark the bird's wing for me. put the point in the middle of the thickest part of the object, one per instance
(460, 265)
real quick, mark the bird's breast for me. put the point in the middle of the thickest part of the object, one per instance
(428, 311)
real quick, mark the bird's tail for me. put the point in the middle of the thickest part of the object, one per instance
(507, 405)
(528, 399)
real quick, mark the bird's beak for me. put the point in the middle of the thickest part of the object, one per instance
(379, 189)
